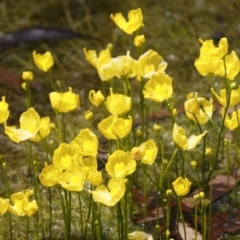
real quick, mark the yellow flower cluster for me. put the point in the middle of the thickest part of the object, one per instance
(73, 164)
(21, 205)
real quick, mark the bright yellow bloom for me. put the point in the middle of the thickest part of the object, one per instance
(232, 65)
(121, 66)
(114, 127)
(179, 137)
(193, 164)
(146, 152)
(88, 115)
(210, 59)
(30, 123)
(208, 151)
(222, 98)
(198, 109)
(85, 143)
(135, 20)
(95, 178)
(181, 186)
(73, 178)
(64, 156)
(139, 235)
(118, 104)
(120, 164)
(139, 40)
(44, 129)
(4, 112)
(148, 64)
(96, 98)
(21, 204)
(231, 122)
(64, 102)
(111, 195)
(98, 61)
(43, 61)
(24, 86)
(49, 175)
(159, 87)
(3, 205)
(27, 76)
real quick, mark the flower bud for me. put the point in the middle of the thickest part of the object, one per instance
(139, 40)
(27, 76)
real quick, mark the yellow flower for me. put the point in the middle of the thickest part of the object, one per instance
(208, 151)
(146, 152)
(232, 65)
(159, 87)
(181, 186)
(179, 137)
(135, 19)
(30, 123)
(210, 59)
(114, 127)
(231, 122)
(64, 102)
(98, 61)
(210, 65)
(43, 61)
(85, 143)
(222, 98)
(21, 204)
(95, 178)
(198, 109)
(64, 156)
(120, 164)
(49, 175)
(118, 104)
(96, 98)
(73, 178)
(3, 205)
(139, 235)
(27, 76)
(44, 129)
(139, 40)
(88, 115)
(208, 48)
(121, 66)
(148, 64)
(110, 195)
(4, 112)
(193, 164)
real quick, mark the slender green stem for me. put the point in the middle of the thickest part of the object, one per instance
(60, 139)
(126, 211)
(169, 164)
(196, 220)
(64, 213)
(28, 95)
(50, 79)
(88, 216)
(219, 139)
(204, 148)
(81, 215)
(99, 225)
(38, 198)
(27, 227)
(181, 215)
(6, 183)
(120, 221)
